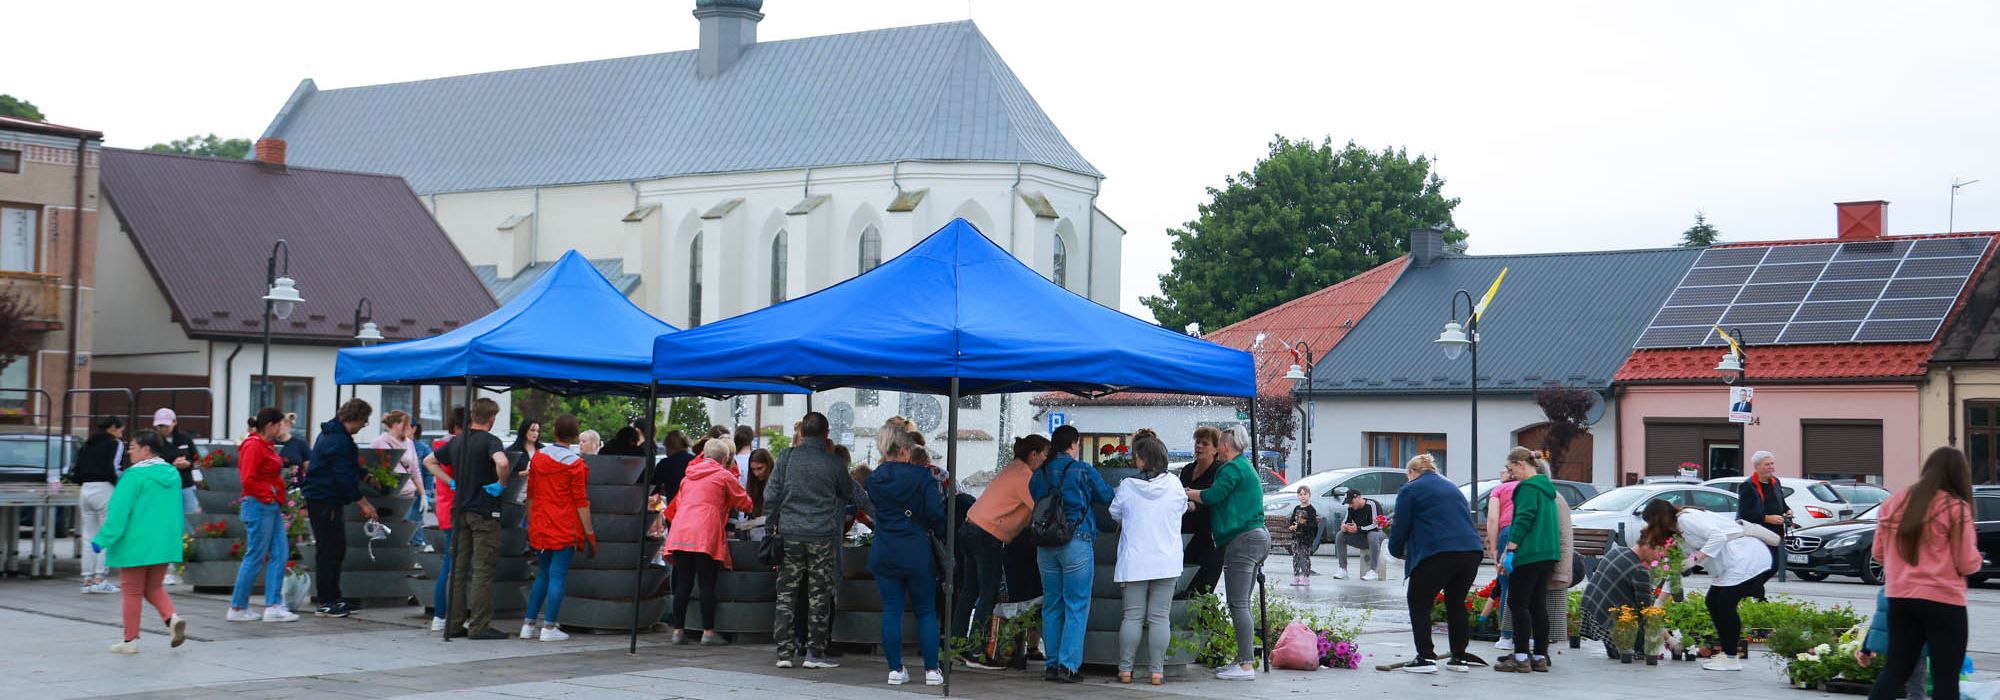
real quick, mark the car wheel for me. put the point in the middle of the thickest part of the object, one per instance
(1872, 573)
(1809, 575)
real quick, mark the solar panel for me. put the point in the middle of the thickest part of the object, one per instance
(1875, 291)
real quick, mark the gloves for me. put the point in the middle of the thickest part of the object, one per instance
(1507, 562)
(451, 484)
(96, 548)
(494, 489)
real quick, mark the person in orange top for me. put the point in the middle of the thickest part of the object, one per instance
(697, 541)
(1000, 514)
(558, 524)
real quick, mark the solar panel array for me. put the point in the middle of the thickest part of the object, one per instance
(1864, 292)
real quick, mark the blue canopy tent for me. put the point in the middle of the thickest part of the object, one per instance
(954, 315)
(570, 332)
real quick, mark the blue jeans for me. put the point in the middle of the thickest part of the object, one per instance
(416, 515)
(1067, 572)
(439, 603)
(263, 547)
(1500, 581)
(551, 570)
(921, 593)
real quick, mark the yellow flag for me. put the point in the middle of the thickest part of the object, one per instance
(1733, 345)
(1480, 310)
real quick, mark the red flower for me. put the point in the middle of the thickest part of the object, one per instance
(1107, 449)
(1122, 449)
(1440, 597)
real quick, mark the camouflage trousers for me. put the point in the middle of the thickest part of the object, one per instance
(809, 572)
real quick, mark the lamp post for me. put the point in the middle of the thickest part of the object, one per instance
(281, 298)
(1735, 367)
(1456, 339)
(1298, 374)
(365, 331)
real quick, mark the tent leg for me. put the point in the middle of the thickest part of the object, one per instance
(950, 533)
(809, 402)
(639, 572)
(460, 578)
(1263, 624)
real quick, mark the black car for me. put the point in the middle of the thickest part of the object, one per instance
(1845, 548)
(31, 457)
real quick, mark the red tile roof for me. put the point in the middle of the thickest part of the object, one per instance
(1801, 362)
(1320, 319)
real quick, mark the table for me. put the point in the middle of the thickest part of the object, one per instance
(46, 501)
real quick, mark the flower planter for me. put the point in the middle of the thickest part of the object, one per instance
(221, 480)
(651, 582)
(508, 569)
(232, 526)
(387, 508)
(218, 502)
(218, 574)
(1106, 616)
(509, 600)
(610, 527)
(400, 532)
(617, 500)
(614, 470)
(854, 562)
(401, 561)
(855, 627)
(758, 618)
(1100, 648)
(616, 555)
(743, 557)
(593, 613)
(208, 549)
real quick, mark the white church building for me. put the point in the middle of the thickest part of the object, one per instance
(737, 175)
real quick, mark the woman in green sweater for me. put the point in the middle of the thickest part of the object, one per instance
(142, 536)
(1236, 507)
(1534, 543)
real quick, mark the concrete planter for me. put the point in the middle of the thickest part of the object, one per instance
(756, 618)
(615, 470)
(859, 596)
(592, 613)
(651, 582)
(400, 532)
(866, 628)
(743, 557)
(615, 555)
(1101, 649)
(509, 600)
(613, 527)
(387, 508)
(617, 500)
(747, 586)
(854, 562)
(218, 502)
(221, 480)
(208, 549)
(1106, 615)
(219, 574)
(401, 561)
(509, 569)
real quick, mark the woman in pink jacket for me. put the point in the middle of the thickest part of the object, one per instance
(1927, 546)
(698, 542)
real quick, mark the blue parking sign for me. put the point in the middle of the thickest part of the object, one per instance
(1057, 420)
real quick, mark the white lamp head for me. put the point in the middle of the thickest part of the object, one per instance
(1731, 367)
(1453, 340)
(370, 333)
(1295, 374)
(284, 296)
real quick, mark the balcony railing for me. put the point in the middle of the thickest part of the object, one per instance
(42, 293)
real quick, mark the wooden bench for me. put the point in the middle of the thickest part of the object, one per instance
(1589, 541)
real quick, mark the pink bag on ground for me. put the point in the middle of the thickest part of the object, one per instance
(1298, 649)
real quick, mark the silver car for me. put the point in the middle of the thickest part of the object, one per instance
(1619, 509)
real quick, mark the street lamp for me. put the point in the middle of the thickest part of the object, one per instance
(1297, 375)
(1735, 367)
(365, 330)
(1455, 340)
(282, 298)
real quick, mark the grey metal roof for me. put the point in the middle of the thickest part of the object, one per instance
(929, 92)
(1568, 318)
(505, 290)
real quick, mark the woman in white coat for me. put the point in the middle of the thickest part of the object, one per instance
(1737, 563)
(1148, 508)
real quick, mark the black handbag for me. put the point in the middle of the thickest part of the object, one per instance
(771, 551)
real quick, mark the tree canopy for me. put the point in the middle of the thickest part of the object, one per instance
(210, 145)
(1701, 234)
(11, 106)
(1306, 217)
(16, 341)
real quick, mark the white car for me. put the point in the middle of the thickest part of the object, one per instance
(1618, 510)
(1813, 502)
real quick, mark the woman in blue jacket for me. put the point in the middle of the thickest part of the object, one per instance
(1431, 531)
(1068, 571)
(908, 508)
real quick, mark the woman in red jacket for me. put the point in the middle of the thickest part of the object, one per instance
(697, 540)
(262, 511)
(558, 525)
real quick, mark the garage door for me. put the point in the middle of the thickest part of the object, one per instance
(1843, 449)
(1669, 444)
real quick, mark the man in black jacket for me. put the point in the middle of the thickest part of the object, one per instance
(1760, 499)
(332, 482)
(181, 453)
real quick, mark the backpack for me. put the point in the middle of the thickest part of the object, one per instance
(1050, 525)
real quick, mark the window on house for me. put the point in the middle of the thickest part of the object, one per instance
(1396, 449)
(1982, 440)
(294, 395)
(694, 282)
(777, 400)
(867, 397)
(10, 161)
(17, 239)
(399, 398)
(1061, 275)
(871, 249)
(778, 267)
(16, 377)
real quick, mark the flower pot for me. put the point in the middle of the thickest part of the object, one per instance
(1575, 642)
(1624, 657)
(1652, 660)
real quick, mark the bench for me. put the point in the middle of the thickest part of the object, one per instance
(1589, 541)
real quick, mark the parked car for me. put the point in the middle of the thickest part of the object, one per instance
(1271, 470)
(1376, 483)
(1669, 479)
(1618, 510)
(31, 457)
(1813, 502)
(1573, 492)
(1846, 548)
(1986, 519)
(1859, 494)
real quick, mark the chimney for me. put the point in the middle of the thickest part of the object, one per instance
(1426, 246)
(728, 28)
(1861, 221)
(271, 152)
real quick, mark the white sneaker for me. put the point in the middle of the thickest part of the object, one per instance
(899, 677)
(279, 613)
(933, 677)
(528, 631)
(1236, 672)
(241, 615)
(1369, 575)
(784, 663)
(1505, 644)
(125, 648)
(437, 624)
(171, 580)
(1723, 663)
(178, 627)
(102, 587)
(551, 634)
(1339, 574)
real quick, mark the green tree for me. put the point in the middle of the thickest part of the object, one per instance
(16, 340)
(687, 414)
(604, 414)
(1701, 234)
(1306, 217)
(211, 145)
(11, 106)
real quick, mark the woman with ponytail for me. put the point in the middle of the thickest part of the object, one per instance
(1927, 545)
(1737, 563)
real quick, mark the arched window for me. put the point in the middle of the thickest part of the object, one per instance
(778, 267)
(1061, 275)
(871, 249)
(694, 282)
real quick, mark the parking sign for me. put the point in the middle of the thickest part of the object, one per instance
(1057, 420)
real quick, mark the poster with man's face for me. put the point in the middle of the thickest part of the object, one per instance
(1741, 409)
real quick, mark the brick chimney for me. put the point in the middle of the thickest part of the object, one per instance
(728, 28)
(1861, 221)
(1426, 246)
(271, 152)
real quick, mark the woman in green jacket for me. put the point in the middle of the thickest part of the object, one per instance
(142, 536)
(1236, 508)
(1534, 543)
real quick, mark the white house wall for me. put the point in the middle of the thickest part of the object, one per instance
(134, 327)
(1342, 424)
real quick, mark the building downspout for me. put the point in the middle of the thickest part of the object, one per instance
(221, 427)
(1618, 436)
(535, 229)
(75, 276)
(808, 187)
(1951, 405)
(896, 177)
(1090, 240)
(1013, 204)
(634, 184)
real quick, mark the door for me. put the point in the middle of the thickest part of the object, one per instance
(1725, 459)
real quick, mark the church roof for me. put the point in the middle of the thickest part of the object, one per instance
(928, 92)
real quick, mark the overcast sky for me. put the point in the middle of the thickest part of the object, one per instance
(1563, 126)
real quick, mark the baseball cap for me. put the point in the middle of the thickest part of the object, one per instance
(164, 416)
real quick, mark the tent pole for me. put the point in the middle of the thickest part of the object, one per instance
(458, 582)
(1263, 611)
(950, 533)
(809, 402)
(639, 572)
